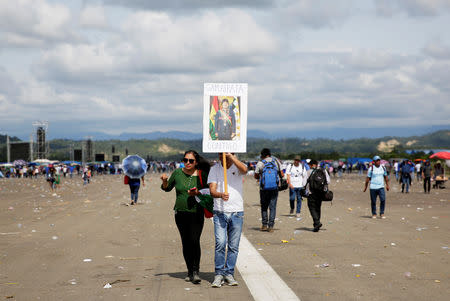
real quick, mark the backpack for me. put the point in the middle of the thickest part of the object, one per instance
(405, 169)
(371, 170)
(269, 176)
(317, 180)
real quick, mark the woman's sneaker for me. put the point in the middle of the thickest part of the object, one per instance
(230, 280)
(218, 281)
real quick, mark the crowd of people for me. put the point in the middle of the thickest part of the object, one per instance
(202, 190)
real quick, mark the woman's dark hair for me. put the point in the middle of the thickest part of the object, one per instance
(202, 163)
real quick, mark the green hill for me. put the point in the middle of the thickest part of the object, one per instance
(170, 149)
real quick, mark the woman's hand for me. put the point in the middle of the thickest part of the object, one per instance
(193, 192)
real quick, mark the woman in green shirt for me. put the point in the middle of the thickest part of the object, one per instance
(189, 215)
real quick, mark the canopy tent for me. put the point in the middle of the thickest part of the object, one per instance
(441, 155)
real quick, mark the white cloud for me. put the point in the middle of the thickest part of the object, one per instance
(177, 5)
(438, 50)
(29, 23)
(415, 8)
(155, 43)
(315, 13)
(93, 16)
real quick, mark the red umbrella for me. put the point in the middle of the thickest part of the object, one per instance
(441, 155)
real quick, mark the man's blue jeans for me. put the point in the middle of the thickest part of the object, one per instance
(373, 200)
(296, 193)
(268, 201)
(227, 231)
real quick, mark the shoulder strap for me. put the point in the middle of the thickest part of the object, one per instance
(199, 171)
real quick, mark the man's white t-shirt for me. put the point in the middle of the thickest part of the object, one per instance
(235, 202)
(297, 175)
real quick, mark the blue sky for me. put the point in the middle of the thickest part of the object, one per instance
(139, 66)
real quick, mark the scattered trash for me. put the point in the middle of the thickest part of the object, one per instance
(297, 232)
(444, 248)
(11, 208)
(357, 276)
(407, 274)
(33, 231)
(187, 289)
(393, 244)
(373, 274)
(55, 237)
(419, 209)
(107, 285)
(435, 217)
(355, 265)
(73, 281)
(260, 249)
(437, 281)
(403, 218)
(424, 252)
(109, 256)
(299, 218)
(349, 209)
(119, 281)
(138, 288)
(420, 229)
(9, 297)
(87, 260)
(323, 265)
(284, 241)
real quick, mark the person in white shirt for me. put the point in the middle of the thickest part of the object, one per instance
(296, 178)
(418, 173)
(228, 216)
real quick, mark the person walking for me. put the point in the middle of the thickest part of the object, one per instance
(296, 178)
(317, 183)
(426, 176)
(268, 172)
(135, 184)
(228, 216)
(189, 214)
(377, 176)
(405, 169)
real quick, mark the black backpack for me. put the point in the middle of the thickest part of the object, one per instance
(317, 180)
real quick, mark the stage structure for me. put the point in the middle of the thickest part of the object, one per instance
(42, 147)
(88, 150)
(19, 150)
(78, 155)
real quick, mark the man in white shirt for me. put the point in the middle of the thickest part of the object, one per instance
(228, 216)
(296, 178)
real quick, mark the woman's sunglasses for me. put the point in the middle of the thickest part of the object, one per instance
(185, 160)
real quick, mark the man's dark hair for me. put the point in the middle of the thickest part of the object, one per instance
(313, 162)
(265, 152)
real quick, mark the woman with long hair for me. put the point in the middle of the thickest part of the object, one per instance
(189, 214)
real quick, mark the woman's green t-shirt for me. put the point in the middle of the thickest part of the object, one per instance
(182, 183)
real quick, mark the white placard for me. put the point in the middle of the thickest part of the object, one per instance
(225, 118)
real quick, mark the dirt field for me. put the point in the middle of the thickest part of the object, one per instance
(67, 245)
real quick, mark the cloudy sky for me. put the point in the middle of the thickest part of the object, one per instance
(139, 65)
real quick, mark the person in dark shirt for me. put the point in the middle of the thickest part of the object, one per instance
(135, 184)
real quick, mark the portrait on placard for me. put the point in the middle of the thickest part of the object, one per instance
(224, 118)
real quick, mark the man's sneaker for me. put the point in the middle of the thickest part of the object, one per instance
(292, 211)
(230, 280)
(374, 216)
(218, 281)
(270, 229)
(263, 228)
